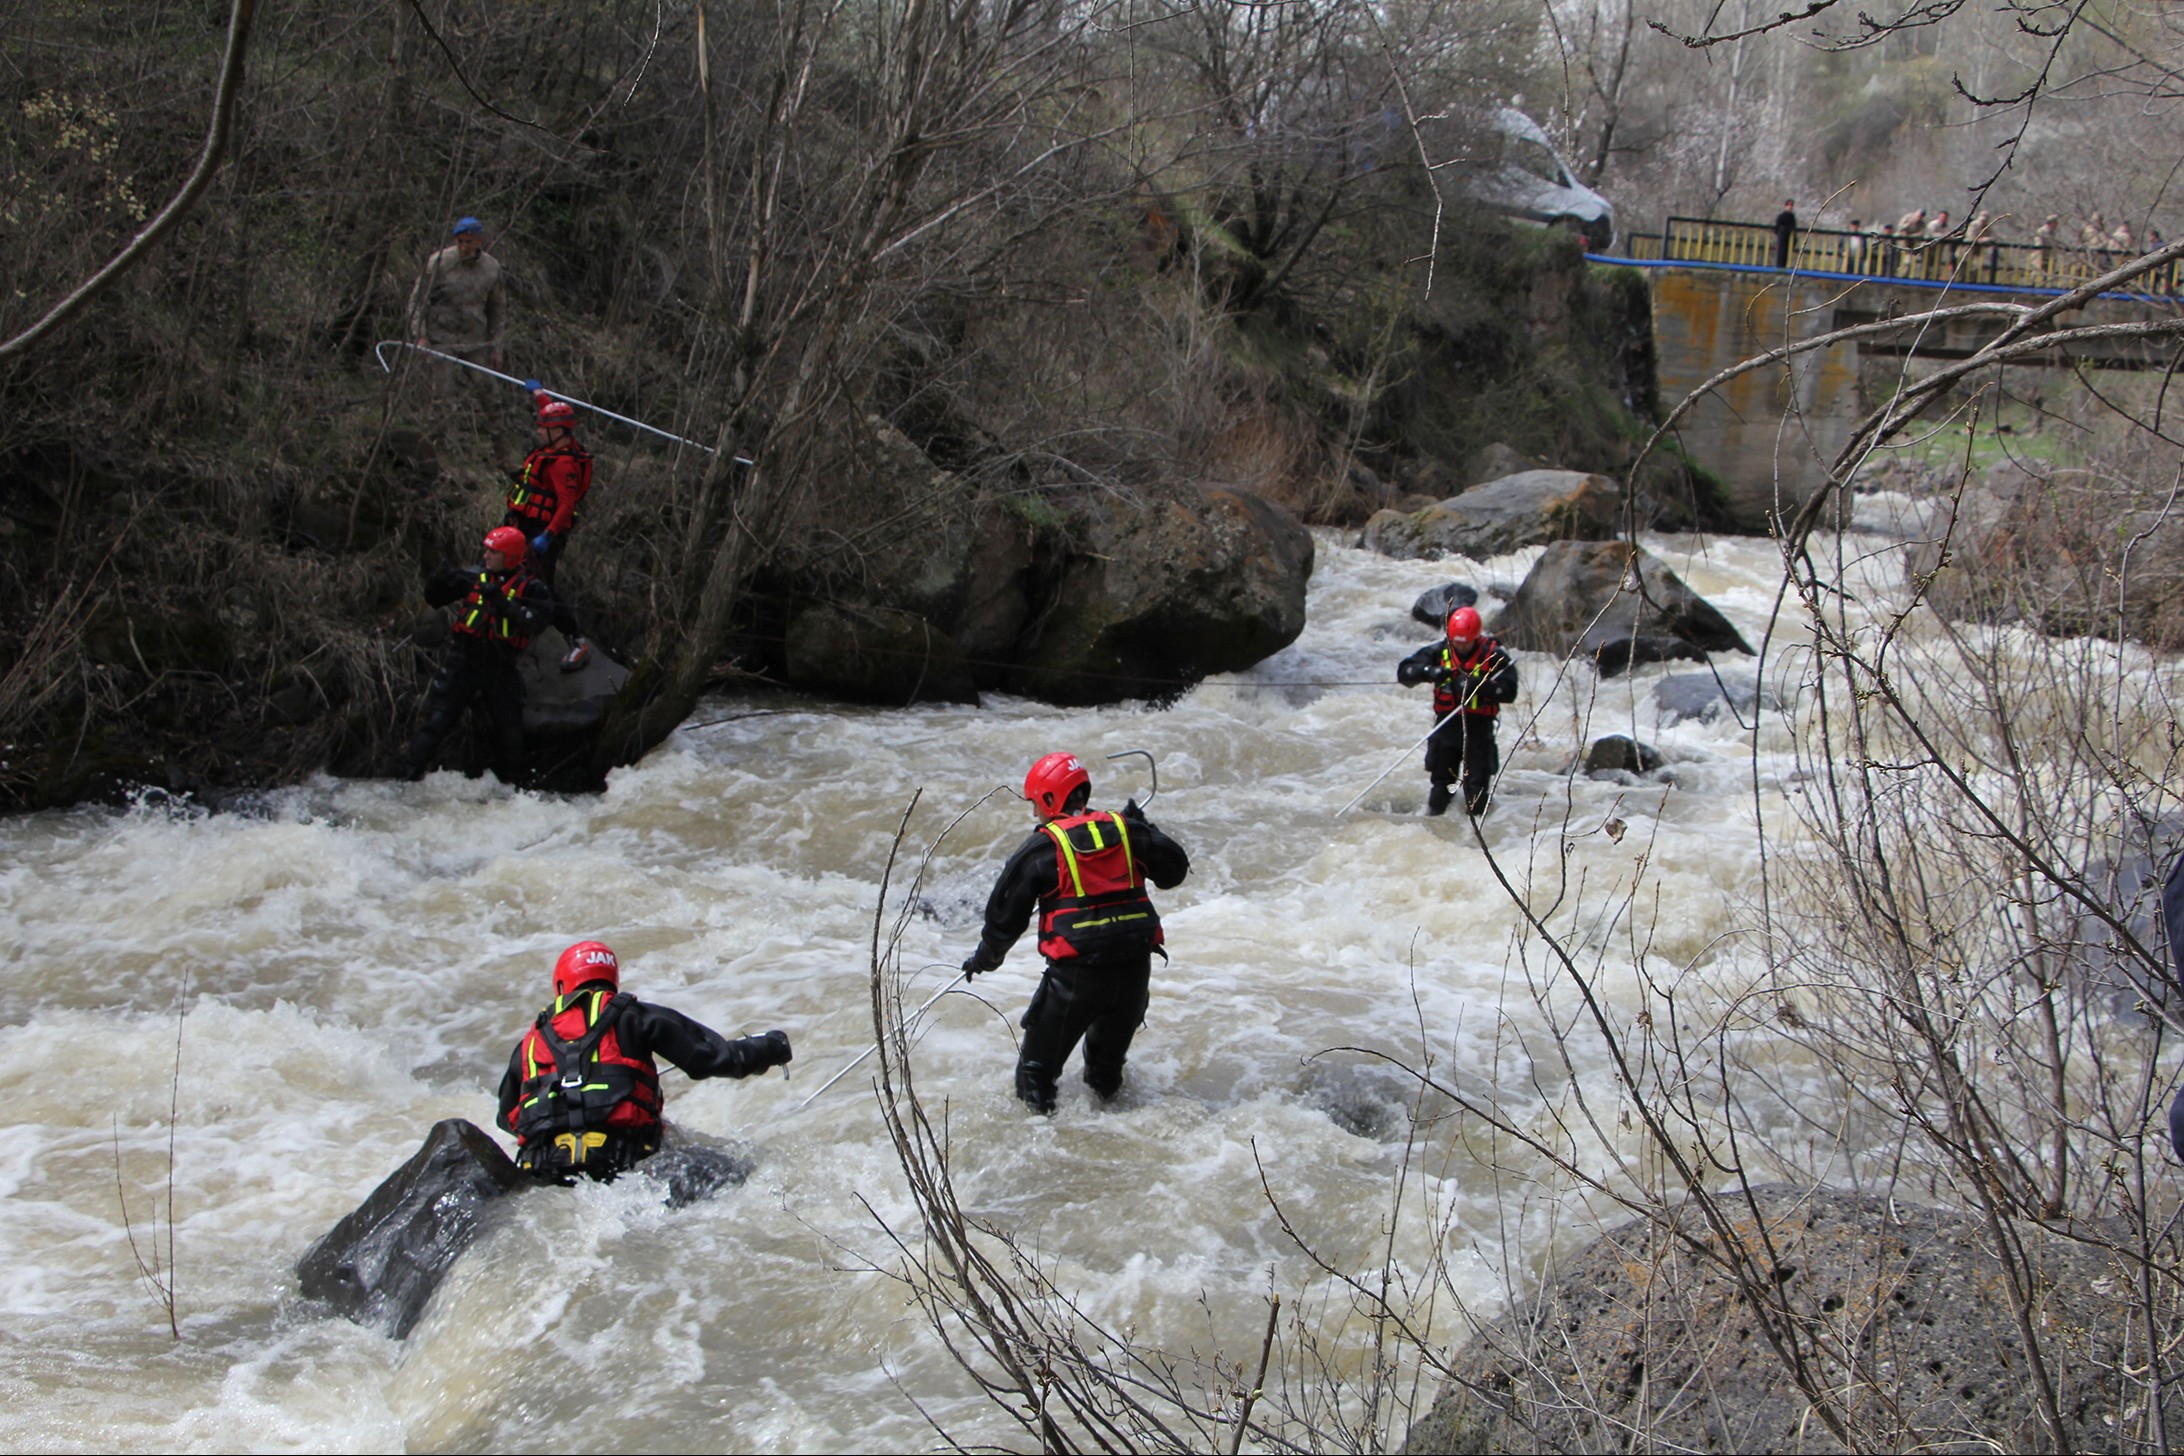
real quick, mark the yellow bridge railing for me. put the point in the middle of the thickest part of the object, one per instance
(1954, 258)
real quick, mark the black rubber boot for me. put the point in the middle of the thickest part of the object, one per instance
(1438, 800)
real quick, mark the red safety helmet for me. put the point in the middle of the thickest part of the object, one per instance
(509, 542)
(1463, 626)
(583, 963)
(1052, 780)
(557, 412)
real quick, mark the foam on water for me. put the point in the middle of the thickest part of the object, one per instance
(360, 956)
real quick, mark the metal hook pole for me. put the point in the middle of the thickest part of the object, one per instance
(378, 352)
(868, 1051)
(1150, 764)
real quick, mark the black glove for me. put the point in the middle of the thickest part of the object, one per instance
(1133, 813)
(777, 1053)
(973, 966)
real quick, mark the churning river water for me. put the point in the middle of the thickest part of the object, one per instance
(359, 957)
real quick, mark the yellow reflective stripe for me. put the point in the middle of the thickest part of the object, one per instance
(1129, 858)
(1069, 856)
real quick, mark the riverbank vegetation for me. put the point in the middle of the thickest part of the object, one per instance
(1069, 255)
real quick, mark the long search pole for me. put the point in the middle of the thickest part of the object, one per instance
(1391, 768)
(379, 353)
(868, 1051)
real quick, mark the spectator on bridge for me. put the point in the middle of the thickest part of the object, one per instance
(2123, 240)
(1912, 224)
(1978, 245)
(1939, 254)
(2093, 233)
(1785, 225)
(1884, 251)
(1854, 248)
(2043, 248)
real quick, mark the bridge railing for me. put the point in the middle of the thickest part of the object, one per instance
(1955, 258)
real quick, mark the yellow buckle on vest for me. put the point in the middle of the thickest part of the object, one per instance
(578, 1149)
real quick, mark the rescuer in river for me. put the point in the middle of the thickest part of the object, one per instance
(542, 505)
(1084, 870)
(582, 1090)
(1472, 677)
(498, 606)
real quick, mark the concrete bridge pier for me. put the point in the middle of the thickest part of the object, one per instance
(1770, 434)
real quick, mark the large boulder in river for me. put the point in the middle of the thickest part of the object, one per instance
(1501, 516)
(877, 655)
(1163, 593)
(1638, 1343)
(1075, 597)
(1614, 603)
(380, 1265)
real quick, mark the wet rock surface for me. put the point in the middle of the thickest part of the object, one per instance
(1636, 1343)
(1167, 594)
(1435, 603)
(1705, 696)
(566, 702)
(1501, 516)
(1615, 603)
(381, 1264)
(1616, 754)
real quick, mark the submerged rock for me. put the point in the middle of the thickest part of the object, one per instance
(1636, 1343)
(694, 1172)
(1615, 603)
(1617, 754)
(1501, 516)
(1435, 603)
(1704, 695)
(381, 1264)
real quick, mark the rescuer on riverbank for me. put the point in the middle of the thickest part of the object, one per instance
(1084, 871)
(542, 505)
(1472, 677)
(498, 606)
(582, 1090)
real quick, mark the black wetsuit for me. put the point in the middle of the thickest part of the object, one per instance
(1098, 1001)
(480, 669)
(1464, 743)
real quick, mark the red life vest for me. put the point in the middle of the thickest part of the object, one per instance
(1448, 696)
(1099, 906)
(536, 500)
(483, 613)
(584, 1100)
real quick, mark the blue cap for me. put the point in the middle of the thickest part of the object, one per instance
(467, 225)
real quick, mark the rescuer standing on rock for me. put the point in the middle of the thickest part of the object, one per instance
(498, 606)
(582, 1090)
(542, 505)
(1084, 870)
(1472, 677)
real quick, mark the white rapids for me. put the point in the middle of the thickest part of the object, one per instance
(359, 958)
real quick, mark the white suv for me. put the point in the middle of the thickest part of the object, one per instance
(1522, 175)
